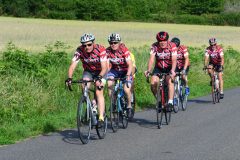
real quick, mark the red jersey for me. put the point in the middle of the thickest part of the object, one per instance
(118, 58)
(163, 55)
(91, 61)
(214, 55)
(182, 51)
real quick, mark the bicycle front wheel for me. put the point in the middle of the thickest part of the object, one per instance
(123, 114)
(84, 120)
(114, 114)
(213, 91)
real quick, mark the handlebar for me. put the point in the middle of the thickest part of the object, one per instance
(121, 79)
(82, 81)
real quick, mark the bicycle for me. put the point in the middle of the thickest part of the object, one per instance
(162, 99)
(86, 119)
(118, 105)
(179, 93)
(215, 86)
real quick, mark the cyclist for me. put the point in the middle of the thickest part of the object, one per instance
(94, 60)
(182, 61)
(120, 66)
(214, 58)
(164, 53)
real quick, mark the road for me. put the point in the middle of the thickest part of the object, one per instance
(204, 132)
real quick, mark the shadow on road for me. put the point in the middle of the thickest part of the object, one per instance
(71, 136)
(200, 101)
(145, 123)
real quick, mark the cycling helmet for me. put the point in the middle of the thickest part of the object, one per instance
(87, 37)
(114, 37)
(162, 36)
(212, 41)
(176, 41)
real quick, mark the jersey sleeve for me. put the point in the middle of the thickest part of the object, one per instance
(102, 54)
(76, 56)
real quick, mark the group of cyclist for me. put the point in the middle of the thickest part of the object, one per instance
(116, 61)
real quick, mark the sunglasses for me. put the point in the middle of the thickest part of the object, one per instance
(113, 43)
(85, 45)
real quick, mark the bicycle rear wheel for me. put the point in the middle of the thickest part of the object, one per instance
(84, 120)
(133, 103)
(101, 131)
(114, 114)
(123, 114)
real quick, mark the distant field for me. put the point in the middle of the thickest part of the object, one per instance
(34, 34)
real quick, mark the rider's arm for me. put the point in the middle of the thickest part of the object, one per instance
(206, 59)
(186, 56)
(222, 58)
(72, 68)
(130, 66)
(174, 61)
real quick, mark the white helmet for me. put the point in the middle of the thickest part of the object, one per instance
(87, 37)
(114, 37)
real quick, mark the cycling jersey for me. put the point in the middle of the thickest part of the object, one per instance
(182, 51)
(163, 55)
(214, 55)
(118, 58)
(91, 61)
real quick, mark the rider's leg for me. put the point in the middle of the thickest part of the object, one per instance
(154, 84)
(170, 89)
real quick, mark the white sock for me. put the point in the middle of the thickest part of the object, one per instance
(170, 101)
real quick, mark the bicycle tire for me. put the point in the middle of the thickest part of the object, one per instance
(101, 131)
(176, 98)
(114, 113)
(168, 111)
(159, 114)
(183, 98)
(84, 120)
(213, 91)
(123, 117)
(133, 104)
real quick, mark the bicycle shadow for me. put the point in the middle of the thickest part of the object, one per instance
(146, 123)
(72, 137)
(199, 101)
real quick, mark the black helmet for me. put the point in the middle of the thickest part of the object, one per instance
(162, 36)
(212, 41)
(176, 41)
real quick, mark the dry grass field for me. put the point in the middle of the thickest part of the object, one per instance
(34, 34)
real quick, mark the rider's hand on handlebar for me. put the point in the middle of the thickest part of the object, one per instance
(147, 73)
(68, 81)
(184, 72)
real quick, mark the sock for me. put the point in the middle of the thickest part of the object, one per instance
(170, 101)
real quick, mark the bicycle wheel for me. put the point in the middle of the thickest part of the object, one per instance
(84, 120)
(123, 114)
(213, 91)
(183, 98)
(133, 103)
(176, 98)
(160, 109)
(114, 114)
(101, 131)
(168, 111)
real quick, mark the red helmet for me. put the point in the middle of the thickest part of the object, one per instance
(162, 36)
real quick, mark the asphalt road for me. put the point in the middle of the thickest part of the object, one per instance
(204, 132)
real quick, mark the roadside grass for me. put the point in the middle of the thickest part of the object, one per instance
(35, 101)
